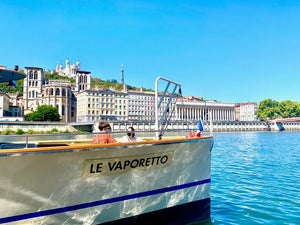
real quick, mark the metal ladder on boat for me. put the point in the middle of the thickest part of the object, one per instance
(158, 105)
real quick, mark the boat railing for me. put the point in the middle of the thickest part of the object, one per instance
(66, 139)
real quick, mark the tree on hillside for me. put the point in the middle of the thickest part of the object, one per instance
(44, 113)
(6, 89)
(113, 81)
(56, 76)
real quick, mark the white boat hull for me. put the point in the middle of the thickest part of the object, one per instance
(69, 186)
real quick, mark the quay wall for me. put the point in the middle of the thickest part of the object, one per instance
(35, 126)
(215, 126)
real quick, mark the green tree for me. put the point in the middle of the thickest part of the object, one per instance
(44, 113)
(268, 109)
(271, 109)
(288, 109)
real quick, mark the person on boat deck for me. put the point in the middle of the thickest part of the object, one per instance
(105, 137)
(130, 137)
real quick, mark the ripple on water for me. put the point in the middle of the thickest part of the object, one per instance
(255, 178)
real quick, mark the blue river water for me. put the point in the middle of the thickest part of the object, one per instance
(255, 178)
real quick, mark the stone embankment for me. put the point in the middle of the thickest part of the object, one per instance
(35, 126)
(215, 126)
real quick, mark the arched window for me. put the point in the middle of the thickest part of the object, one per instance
(29, 83)
(84, 79)
(36, 83)
(79, 86)
(51, 91)
(79, 79)
(33, 94)
(29, 94)
(30, 75)
(35, 75)
(57, 92)
(62, 110)
(63, 92)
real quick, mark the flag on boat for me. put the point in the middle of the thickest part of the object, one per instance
(200, 128)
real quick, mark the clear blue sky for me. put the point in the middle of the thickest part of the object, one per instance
(231, 51)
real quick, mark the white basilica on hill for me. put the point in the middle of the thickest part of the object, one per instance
(69, 71)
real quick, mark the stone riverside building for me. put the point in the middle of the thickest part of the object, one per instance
(104, 104)
(247, 111)
(187, 110)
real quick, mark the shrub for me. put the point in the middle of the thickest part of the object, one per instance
(7, 132)
(20, 132)
(30, 131)
(54, 130)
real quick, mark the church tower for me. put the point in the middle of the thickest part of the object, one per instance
(32, 89)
